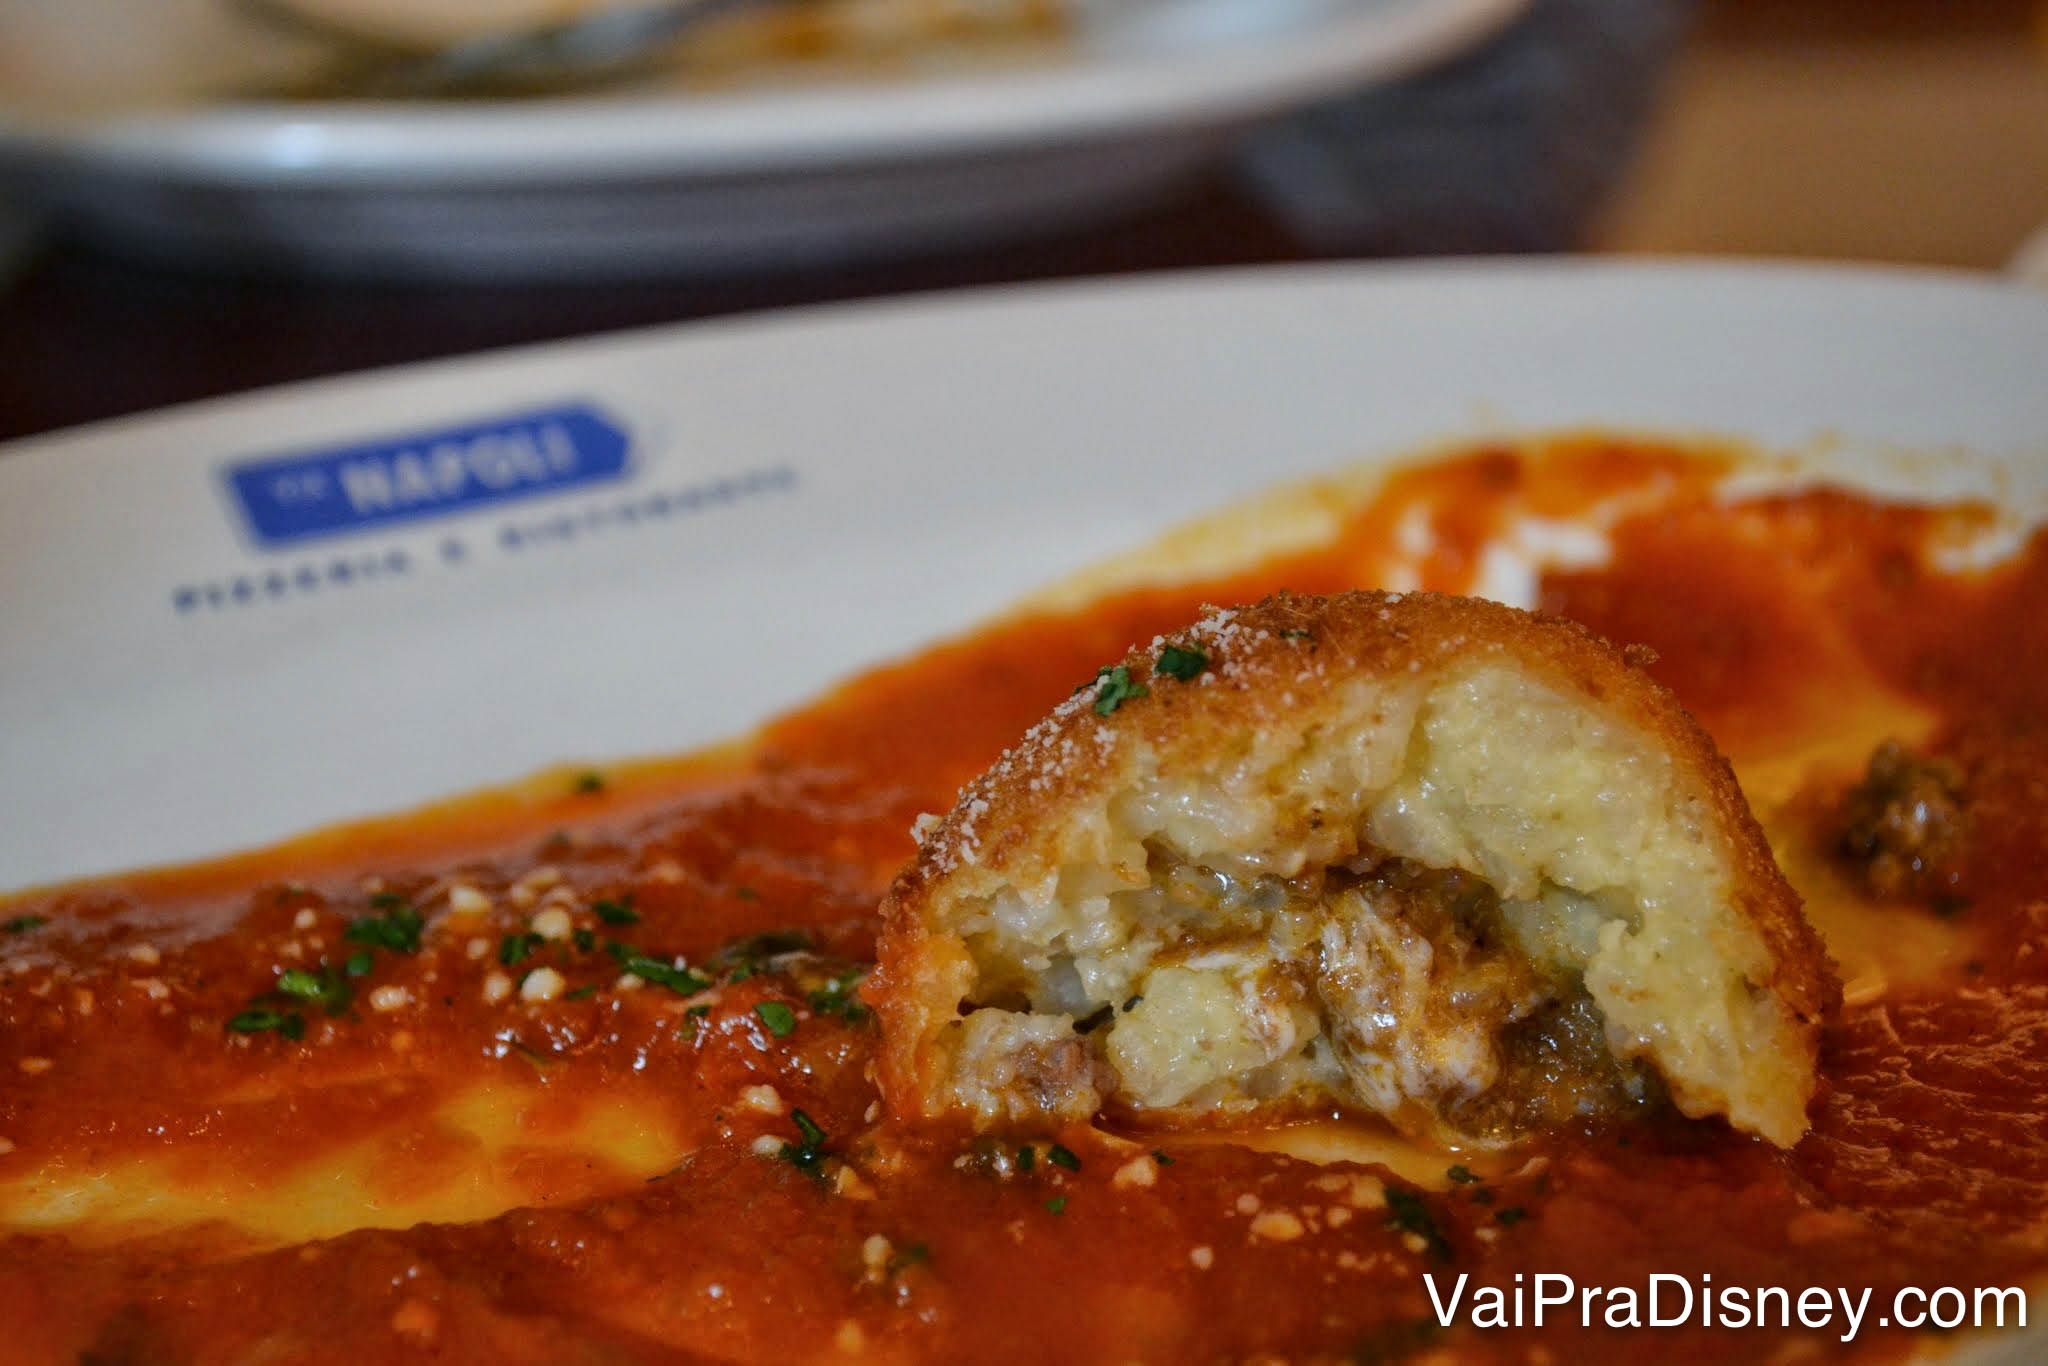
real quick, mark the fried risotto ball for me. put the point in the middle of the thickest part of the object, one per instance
(1456, 864)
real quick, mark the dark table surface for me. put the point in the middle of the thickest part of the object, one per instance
(86, 335)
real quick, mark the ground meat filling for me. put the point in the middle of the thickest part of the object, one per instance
(1903, 828)
(1383, 985)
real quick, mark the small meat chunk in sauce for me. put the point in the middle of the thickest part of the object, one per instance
(1904, 828)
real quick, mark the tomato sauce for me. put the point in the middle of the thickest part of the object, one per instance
(437, 1085)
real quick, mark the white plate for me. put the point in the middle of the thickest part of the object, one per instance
(1151, 90)
(891, 473)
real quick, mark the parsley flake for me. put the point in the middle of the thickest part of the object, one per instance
(779, 1018)
(298, 982)
(810, 1153)
(743, 958)
(1026, 1156)
(590, 780)
(841, 998)
(1183, 662)
(397, 928)
(616, 912)
(1113, 688)
(1058, 1204)
(1162, 1157)
(1061, 1156)
(22, 924)
(513, 948)
(1409, 1213)
(1461, 1175)
(358, 964)
(581, 993)
(289, 1023)
(584, 940)
(681, 981)
(1512, 1215)
(325, 988)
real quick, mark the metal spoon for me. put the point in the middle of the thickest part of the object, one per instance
(597, 49)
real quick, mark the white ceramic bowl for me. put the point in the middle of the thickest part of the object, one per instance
(628, 184)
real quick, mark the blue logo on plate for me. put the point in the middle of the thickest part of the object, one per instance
(290, 498)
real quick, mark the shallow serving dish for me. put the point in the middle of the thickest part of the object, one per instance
(262, 614)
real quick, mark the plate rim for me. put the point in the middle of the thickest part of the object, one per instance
(1054, 293)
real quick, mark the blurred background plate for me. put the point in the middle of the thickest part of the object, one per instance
(1137, 96)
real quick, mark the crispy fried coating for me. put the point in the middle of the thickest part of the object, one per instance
(1431, 857)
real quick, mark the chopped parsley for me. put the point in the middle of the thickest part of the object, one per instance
(1512, 1215)
(289, 1023)
(584, 940)
(298, 982)
(1461, 1175)
(809, 1154)
(22, 924)
(1162, 1157)
(1113, 688)
(681, 981)
(1026, 1156)
(589, 780)
(745, 957)
(779, 1018)
(397, 928)
(325, 988)
(513, 948)
(1062, 1156)
(358, 964)
(1183, 662)
(1058, 1204)
(1409, 1213)
(581, 993)
(841, 998)
(746, 894)
(616, 912)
